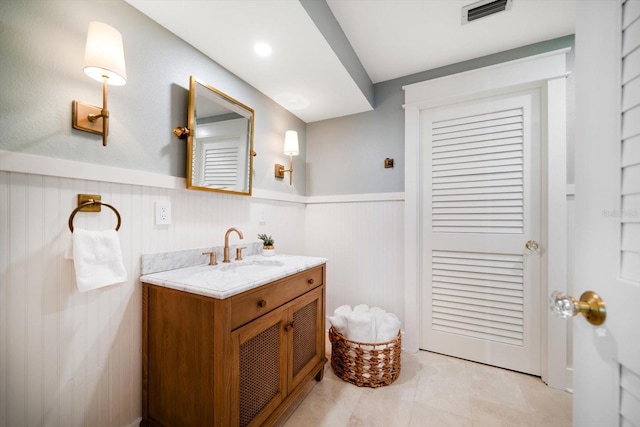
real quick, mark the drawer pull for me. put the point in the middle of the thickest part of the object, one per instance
(310, 281)
(290, 326)
(262, 303)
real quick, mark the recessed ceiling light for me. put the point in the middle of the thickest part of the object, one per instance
(262, 49)
(292, 101)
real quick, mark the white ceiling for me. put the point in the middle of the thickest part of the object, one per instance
(391, 38)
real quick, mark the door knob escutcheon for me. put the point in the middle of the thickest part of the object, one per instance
(590, 305)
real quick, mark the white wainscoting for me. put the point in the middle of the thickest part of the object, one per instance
(364, 243)
(74, 359)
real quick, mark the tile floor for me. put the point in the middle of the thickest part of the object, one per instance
(434, 390)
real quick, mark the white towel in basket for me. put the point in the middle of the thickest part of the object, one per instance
(361, 327)
(387, 327)
(364, 324)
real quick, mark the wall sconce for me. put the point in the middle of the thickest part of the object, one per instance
(104, 62)
(290, 148)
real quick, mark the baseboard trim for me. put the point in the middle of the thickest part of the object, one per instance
(136, 423)
(569, 380)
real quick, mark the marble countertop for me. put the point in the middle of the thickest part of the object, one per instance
(227, 279)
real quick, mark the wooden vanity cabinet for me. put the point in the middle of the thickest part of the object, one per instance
(239, 361)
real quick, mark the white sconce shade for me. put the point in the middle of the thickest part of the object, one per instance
(291, 143)
(104, 54)
(290, 148)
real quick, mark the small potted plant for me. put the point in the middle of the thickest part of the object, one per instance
(267, 245)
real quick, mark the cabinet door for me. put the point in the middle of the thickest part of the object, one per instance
(306, 336)
(259, 368)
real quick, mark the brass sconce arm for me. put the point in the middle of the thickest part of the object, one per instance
(86, 119)
(280, 170)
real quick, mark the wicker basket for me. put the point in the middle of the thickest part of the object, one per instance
(365, 364)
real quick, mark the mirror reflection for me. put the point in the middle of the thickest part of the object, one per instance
(220, 142)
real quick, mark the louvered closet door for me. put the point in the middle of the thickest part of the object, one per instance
(481, 203)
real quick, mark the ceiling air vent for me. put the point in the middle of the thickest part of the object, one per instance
(483, 8)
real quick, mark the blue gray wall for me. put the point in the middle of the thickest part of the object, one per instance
(346, 155)
(41, 58)
(41, 55)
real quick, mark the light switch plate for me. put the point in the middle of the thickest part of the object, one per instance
(163, 213)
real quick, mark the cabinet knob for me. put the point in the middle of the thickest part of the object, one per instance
(310, 281)
(290, 326)
(262, 303)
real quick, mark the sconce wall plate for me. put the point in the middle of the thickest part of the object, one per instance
(279, 171)
(84, 198)
(81, 112)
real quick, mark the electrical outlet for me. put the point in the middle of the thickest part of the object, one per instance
(163, 213)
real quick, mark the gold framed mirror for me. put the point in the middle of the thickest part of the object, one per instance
(219, 141)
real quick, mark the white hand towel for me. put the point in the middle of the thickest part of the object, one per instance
(387, 327)
(97, 259)
(361, 327)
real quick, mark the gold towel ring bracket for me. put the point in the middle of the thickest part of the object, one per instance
(90, 203)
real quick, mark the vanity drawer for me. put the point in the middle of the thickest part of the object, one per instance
(256, 302)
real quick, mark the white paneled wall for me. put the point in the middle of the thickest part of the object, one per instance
(73, 359)
(364, 244)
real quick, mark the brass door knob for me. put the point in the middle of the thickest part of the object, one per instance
(532, 246)
(590, 305)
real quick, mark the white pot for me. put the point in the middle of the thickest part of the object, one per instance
(268, 251)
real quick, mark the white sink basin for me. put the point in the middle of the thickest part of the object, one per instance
(252, 267)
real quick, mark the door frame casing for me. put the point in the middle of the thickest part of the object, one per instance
(548, 73)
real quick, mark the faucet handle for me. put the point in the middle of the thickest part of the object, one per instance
(239, 253)
(212, 257)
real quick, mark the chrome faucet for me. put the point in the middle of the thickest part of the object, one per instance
(226, 242)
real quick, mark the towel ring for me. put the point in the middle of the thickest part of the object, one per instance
(93, 202)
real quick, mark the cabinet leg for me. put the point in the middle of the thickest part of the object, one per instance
(320, 374)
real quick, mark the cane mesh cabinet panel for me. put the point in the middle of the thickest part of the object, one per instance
(259, 373)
